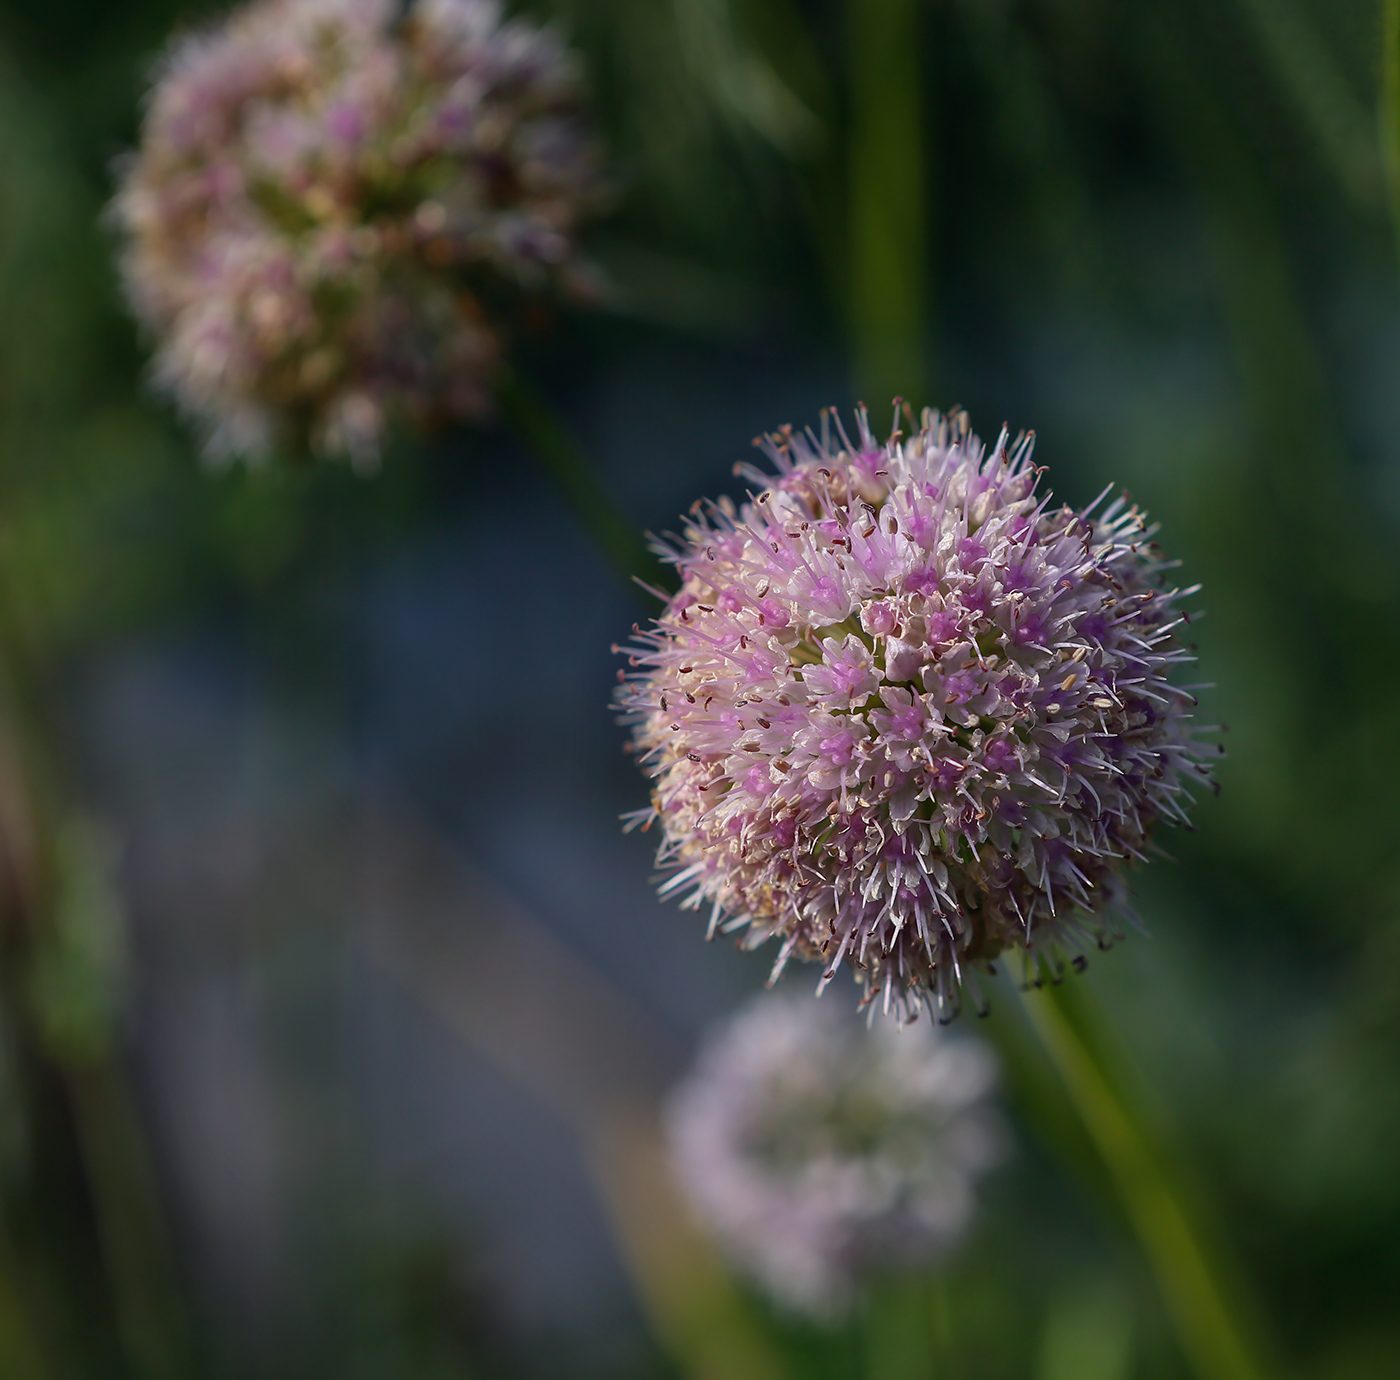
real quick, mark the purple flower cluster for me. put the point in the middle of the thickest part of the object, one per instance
(904, 715)
(335, 210)
(817, 1149)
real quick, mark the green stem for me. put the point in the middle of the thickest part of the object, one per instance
(151, 1316)
(888, 174)
(694, 1307)
(20, 1355)
(898, 1331)
(64, 997)
(1390, 105)
(1210, 1334)
(565, 463)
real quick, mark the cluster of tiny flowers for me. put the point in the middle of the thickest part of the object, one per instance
(905, 715)
(818, 1148)
(335, 208)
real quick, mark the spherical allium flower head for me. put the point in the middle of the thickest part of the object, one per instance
(905, 715)
(818, 1148)
(335, 211)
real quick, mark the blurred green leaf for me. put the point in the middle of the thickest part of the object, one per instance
(1320, 93)
(1390, 106)
(1088, 1333)
(80, 967)
(890, 185)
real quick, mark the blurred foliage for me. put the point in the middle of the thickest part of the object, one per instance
(1160, 233)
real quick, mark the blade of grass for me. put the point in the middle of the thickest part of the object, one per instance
(743, 84)
(1390, 106)
(1319, 90)
(1205, 1317)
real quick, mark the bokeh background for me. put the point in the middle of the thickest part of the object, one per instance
(335, 1003)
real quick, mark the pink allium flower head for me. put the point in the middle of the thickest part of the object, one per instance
(904, 715)
(334, 212)
(818, 1149)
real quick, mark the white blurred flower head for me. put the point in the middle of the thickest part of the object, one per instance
(819, 1148)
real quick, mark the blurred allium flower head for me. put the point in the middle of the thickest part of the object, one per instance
(819, 1148)
(335, 209)
(905, 715)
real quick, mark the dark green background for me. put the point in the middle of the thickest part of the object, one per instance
(1155, 233)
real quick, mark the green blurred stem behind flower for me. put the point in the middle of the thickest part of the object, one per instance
(1390, 106)
(888, 177)
(570, 470)
(1204, 1315)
